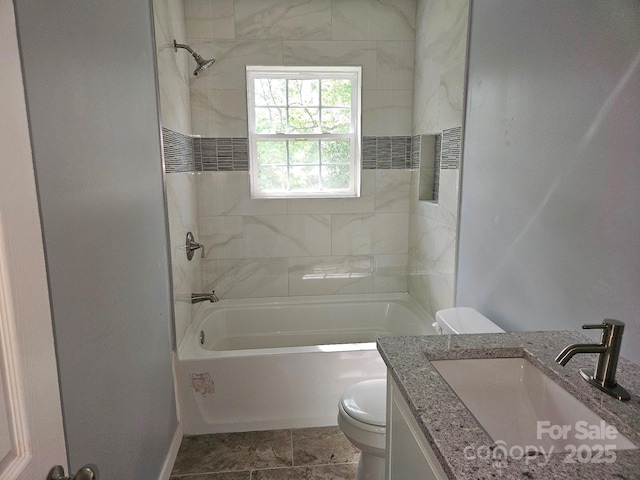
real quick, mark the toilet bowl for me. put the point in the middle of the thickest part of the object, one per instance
(363, 406)
(362, 418)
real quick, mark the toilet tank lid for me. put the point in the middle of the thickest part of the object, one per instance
(367, 402)
(461, 320)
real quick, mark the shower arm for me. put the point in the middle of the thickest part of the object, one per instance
(177, 45)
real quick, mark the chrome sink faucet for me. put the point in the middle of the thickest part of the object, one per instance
(204, 297)
(604, 376)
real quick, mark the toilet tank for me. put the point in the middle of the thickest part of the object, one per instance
(459, 320)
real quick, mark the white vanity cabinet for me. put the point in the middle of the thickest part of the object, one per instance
(408, 455)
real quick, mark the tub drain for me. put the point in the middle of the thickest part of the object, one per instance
(201, 337)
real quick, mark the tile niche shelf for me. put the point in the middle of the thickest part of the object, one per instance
(430, 150)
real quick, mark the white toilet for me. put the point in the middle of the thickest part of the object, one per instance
(362, 409)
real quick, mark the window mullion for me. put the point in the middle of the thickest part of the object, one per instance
(288, 167)
(320, 182)
(320, 168)
(286, 101)
(288, 113)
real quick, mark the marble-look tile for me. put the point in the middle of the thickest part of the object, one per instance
(322, 446)
(442, 290)
(286, 235)
(446, 209)
(362, 204)
(433, 291)
(373, 19)
(358, 53)
(215, 476)
(221, 236)
(219, 113)
(394, 65)
(181, 208)
(426, 102)
(451, 98)
(352, 234)
(183, 312)
(173, 72)
(362, 234)
(181, 201)
(232, 56)
(449, 196)
(228, 193)
(392, 190)
(234, 451)
(419, 289)
(440, 53)
(290, 19)
(330, 275)
(441, 39)
(386, 112)
(390, 273)
(246, 278)
(433, 246)
(207, 19)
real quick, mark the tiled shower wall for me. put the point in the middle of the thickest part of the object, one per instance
(440, 53)
(175, 109)
(316, 246)
(298, 247)
(232, 237)
(281, 247)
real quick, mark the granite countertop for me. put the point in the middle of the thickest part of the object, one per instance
(449, 426)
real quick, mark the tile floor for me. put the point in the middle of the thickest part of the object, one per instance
(321, 453)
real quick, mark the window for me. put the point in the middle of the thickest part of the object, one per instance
(304, 131)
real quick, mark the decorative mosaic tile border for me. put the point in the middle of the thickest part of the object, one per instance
(184, 153)
(436, 167)
(387, 152)
(415, 152)
(451, 148)
(178, 152)
(221, 154)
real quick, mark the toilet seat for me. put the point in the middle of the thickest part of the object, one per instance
(366, 404)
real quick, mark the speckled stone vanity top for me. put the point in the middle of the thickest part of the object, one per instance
(449, 427)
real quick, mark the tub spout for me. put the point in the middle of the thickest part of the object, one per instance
(204, 297)
(604, 375)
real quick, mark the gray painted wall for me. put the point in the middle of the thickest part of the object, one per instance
(91, 98)
(550, 222)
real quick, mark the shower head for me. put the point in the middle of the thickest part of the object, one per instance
(202, 63)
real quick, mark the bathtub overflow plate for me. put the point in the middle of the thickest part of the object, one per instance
(201, 336)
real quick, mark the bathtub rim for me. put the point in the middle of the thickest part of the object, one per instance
(190, 350)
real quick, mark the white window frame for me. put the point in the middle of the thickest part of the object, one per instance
(354, 135)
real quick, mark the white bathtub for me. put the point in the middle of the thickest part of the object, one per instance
(284, 362)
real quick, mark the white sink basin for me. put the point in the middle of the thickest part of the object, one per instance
(517, 404)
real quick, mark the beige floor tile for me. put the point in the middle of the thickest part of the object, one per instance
(223, 452)
(323, 445)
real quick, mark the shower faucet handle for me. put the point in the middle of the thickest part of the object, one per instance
(192, 246)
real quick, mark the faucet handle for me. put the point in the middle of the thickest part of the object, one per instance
(593, 327)
(611, 332)
(606, 323)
